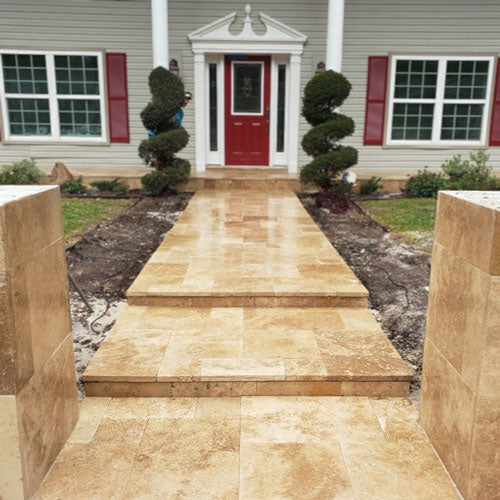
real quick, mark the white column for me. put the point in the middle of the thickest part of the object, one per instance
(335, 35)
(294, 113)
(159, 25)
(199, 112)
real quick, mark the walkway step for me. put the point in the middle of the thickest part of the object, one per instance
(249, 448)
(158, 351)
(246, 249)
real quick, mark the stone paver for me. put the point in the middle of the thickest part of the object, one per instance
(257, 447)
(246, 249)
(278, 349)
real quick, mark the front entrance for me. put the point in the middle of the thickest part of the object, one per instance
(247, 109)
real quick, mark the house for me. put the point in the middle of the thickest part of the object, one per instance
(73, 79)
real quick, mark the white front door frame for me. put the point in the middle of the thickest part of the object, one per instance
(210, 43)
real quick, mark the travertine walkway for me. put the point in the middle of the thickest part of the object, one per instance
(248, 448)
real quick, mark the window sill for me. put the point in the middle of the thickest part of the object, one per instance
(27, 142)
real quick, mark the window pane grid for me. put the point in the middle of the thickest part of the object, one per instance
(29, 116)
(77, 75)
(460, 91)
(462, 122)
(80, 117)
(24, 74)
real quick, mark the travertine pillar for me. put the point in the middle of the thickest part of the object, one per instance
(460, 403)
(38, 400)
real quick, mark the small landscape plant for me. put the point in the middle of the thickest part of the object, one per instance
(167, 138)
(73, 186)
(370, 186)
(472, 174)
(21, 172)
(425, 184)
(323, 94)
(115, 186)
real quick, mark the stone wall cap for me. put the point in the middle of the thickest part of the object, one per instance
(488, 199)
(9, 194)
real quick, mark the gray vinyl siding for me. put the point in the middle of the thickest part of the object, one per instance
(370, 28)
(114, 26)
(427, 26)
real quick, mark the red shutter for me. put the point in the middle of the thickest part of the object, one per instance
(495, 112)
(116, 69)
(375, 100)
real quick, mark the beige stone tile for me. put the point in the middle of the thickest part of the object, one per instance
(7, 340)
(91, 411)
(128, 389)
(308, 420)
(241, 369)
(293, 470)
(47, 412)
(381, 388)
(446, 220)
(222, 301)
(299, 388)
(343, 301)
(358, 320)
(350, 355)
(484, 480)
(489, 378)
(218, 408)
(457, 302)
(305, 369)
(144, 408)
(38, 308)
(271, 302)
(213, 389)
(40, 218)
(446, 413)
(131, 359)
(402, 469)
(11, 476)
(191, 458)
(280, 344)
(398, 418)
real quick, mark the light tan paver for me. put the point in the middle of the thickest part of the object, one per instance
(244, 248)
(252, 447)
(293, 349)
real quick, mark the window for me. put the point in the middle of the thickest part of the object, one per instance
(212, 95)
(439, 100)
(52, 96)
(248, 88)
(280, 125)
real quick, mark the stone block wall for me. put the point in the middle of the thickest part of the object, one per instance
(38, 399)
(460, 402)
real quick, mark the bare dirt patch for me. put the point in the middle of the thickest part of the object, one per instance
(105, 262)
(396, 274)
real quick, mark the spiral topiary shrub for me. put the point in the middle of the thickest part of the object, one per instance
(167, 91)
(323, 94)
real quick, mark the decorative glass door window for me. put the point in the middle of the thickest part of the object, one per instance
(248, 88)
(439, 100)
(52, 96)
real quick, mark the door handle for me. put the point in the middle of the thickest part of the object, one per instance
(267, 119)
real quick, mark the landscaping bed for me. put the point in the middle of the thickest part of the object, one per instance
(105, 262)
(395, 272)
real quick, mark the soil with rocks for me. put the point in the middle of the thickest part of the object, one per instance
(395, 272)
(105, 262)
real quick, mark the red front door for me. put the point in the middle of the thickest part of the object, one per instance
(247, 110)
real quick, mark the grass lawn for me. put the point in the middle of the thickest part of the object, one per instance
(79, 214)
(413, 218)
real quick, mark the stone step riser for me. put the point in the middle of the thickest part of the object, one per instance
(260, 301)
(390, 388)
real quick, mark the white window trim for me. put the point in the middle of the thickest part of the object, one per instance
(262, 78)
(215, 157)
(278, 158)
(52, 96)
(439, 102)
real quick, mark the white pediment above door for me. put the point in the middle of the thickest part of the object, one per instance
(278, 37)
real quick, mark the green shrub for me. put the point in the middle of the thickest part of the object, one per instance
(472, 174)
(115, 186)
(21, 172)
(370, 186)
(159, 181)
(425, 184)
(323, 94)
(159, 151)
(73, 186)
